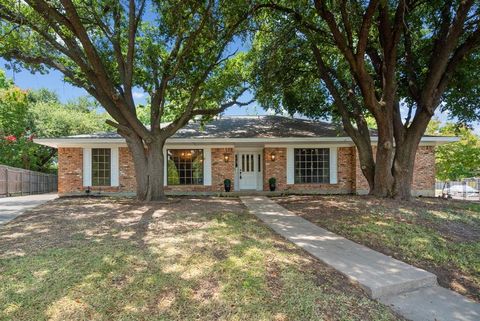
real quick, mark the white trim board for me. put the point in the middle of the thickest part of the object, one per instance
(82, 142)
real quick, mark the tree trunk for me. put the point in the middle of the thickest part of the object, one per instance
(367, 163)
(403, 171)
(149, 168)
(383, 181)
(405, 152)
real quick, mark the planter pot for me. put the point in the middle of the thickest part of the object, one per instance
(227, 188)
(272, 187)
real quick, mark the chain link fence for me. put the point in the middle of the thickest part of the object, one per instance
(17, 181)
(467, 189)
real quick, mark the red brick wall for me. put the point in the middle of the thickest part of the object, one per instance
(70, 167)
(423, 172)
(278, 169)
(345, 172)
(275, 168)
(126, 170)
(350, 177)
(221, 169)
(70, 164)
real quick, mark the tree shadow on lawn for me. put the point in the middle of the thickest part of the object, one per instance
(441, 236)
(200, 258)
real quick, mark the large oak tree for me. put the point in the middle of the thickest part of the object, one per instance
(394, 61)
(176, 51)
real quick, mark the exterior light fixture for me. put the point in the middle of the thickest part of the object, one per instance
(273, 156)
(226, 157)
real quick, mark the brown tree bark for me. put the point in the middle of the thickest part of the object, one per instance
(149, 165)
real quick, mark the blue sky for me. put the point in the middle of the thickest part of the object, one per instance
(54, 81)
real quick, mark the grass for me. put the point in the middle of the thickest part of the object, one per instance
(437, 235)
(197, 259)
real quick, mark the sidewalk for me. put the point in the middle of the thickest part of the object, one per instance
(408, 290)
(11, 207)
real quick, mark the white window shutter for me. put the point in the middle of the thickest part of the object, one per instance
(114, 179)
(165, 166)
(333, 165)
(87, 167)
(207, 166)
(290, 166)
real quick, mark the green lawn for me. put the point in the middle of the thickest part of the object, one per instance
(442, 236)
(197, 259)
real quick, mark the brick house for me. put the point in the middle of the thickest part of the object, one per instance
(304, 156)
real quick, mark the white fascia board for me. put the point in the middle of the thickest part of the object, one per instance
(270, 141)
(80, 142)
(429, 140)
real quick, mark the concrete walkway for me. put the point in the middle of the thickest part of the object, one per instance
(410, 291)
(11, 207)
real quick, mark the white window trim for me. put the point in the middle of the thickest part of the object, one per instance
(291, 163)
(207, 162)
(114, 163)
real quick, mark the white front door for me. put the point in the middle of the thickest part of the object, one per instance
(248, 167)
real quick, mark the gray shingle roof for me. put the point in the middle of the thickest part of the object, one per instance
(268, 126)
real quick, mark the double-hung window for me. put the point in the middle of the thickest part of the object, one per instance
(312, 165)
(101, 166)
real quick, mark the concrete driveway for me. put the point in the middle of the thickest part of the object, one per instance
(11, 207)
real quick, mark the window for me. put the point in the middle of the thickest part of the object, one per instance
(101, 166)
(312, 165)
(185, 167)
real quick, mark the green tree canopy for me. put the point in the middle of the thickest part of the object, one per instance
(396, 62)
(28, 114)
(178, 52)
(458, 160)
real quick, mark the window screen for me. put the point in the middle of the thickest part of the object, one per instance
(101, 166)
(312, 165)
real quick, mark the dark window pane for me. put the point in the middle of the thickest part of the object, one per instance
(101, 166)
(184, 166)
(312, 165)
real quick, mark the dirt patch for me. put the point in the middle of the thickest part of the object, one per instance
(67, 219)
(200, 258)
(453, 225)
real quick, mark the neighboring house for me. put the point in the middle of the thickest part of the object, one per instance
(304, 156)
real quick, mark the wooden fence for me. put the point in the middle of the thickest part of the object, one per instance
(17, 181)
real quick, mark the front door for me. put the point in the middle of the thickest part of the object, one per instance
(247, 170)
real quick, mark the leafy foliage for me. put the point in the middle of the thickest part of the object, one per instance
(25, 115)
(458, 160)
(357, 61)
(177, 52)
